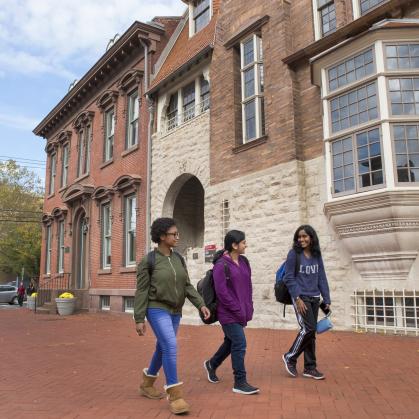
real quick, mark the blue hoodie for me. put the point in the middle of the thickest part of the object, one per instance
(310, 280)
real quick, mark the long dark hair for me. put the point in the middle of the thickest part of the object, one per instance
(314, 245)
(232, 237)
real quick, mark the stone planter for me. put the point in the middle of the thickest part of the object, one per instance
(65, 306)
(30, 302)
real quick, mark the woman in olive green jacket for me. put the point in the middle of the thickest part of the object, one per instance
(162, 286)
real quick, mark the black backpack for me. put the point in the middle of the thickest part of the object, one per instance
(282, 295)
(151, 261)
(206, 290)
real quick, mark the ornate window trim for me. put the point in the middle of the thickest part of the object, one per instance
(131, 79)
(127, 184)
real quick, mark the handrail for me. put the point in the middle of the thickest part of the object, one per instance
(58, 281)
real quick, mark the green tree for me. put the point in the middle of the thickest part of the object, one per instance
(20, 219)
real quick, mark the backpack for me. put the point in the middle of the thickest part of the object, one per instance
(151, 260)
(282, 294)
(206, 290)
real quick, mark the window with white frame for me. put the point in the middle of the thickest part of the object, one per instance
(52, 173)
(360, 140)
(84, 151)
(367, 5)
(61, 246)
(172, 112)
(48, 249)
(109, 133)
(133, 114)
(406, 149)
(205, 94)
(188, 96)
(327, 16)
(252, 88)
(129, 304)
(201, 14)
(395, 311)
(106, 235)
(130, 229)
(225, 218)
(64, 165)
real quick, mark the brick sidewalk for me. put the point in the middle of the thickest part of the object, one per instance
(88, 366)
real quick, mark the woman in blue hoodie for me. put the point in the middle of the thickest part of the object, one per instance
(306, 281)
(233, 287)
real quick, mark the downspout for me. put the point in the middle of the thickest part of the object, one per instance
(150, 107)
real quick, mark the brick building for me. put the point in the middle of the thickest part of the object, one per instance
(312, 119)
(96, 184)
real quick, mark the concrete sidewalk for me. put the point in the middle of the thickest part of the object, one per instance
(88, 366)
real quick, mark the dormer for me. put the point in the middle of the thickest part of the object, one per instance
(200, 13)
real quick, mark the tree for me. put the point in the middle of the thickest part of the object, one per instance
(21, 195)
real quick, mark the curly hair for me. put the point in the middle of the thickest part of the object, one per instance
(159, 227)
(314, 245)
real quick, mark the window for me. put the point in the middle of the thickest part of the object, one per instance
(172, 119)
(130, 229)
(109, 133)
(52, 173)
(252, 84)
(402, 56)
(225, 218)
(404, 96)
(48, 250)
(106, 235)
(406, 149)
(84, 151)
(354, 108)
(356, 68)
(61, 246)
(367, 5)
(64, 166)
(188, 93)
(105, 302)
(327, 15)
(133, 112)
(129, 304)
(357, 162)
(201, 14)
(205, 94)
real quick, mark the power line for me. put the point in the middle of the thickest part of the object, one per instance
(16, 210)
(21, 158)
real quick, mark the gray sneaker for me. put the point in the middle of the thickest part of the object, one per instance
(245, 388)
(314, 373)
(291, 368)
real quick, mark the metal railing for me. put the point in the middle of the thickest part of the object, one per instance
(57, 282)
(175, 118)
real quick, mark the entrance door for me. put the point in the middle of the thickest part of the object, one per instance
(80, 241)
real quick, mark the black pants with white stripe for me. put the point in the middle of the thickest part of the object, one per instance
(306, 338)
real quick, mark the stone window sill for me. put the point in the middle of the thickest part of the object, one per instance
(62, 189)
(51, 195)
(106, 163)
(129, 150)
(127, 269)
(104, 271)
(81, 178)
(250, 144)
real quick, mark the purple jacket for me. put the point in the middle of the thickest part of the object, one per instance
(234, 295)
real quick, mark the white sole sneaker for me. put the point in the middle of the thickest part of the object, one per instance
(208, 376)
(312, 376)
(235, 390)
(286, 367)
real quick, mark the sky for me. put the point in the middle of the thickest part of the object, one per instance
(46, 45)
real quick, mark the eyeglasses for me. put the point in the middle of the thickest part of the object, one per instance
(173, 234)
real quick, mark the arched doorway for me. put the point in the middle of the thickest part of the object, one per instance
(80, 250)
(185, 203)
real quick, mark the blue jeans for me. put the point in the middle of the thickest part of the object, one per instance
(235, 345)
(165, 327)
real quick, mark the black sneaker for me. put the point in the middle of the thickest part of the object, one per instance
(212, 377)
(317, 375)
(291, 368)
(245, 388)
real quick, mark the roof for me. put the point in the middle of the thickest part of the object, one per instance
(186, 48)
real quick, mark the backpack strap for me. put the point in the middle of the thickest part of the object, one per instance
(151, 262)
(297, 263)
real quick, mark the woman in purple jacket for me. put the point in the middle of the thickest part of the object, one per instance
(233, 286)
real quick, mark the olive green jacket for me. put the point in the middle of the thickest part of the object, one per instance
(167, 287)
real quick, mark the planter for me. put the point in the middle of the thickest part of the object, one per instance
(30, 302)
(65, 306)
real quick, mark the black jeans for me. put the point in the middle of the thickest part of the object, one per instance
(306, 338)
(234, 344)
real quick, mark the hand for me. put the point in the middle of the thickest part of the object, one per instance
(205, 312)
(301, 307)
(140, 327)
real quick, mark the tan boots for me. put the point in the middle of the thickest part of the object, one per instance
(147, 388)
(175, 397)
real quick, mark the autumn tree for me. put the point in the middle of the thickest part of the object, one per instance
(20, 219)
